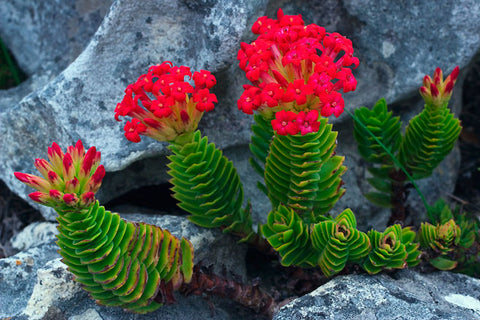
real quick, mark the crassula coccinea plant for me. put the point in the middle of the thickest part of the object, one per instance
(297, 73)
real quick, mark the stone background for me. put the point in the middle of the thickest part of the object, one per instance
(79, 56)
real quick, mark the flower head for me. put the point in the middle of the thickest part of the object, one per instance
(162, 105)
(437, 91)
(69, 180)
(294, 67)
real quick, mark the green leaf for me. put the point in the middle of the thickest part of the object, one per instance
(380, 199)
(443, 263)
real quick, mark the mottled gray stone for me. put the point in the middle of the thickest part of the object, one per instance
(36, 285)
(406, 295)
(397, 44)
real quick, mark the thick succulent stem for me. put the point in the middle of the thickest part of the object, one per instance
(250, 296)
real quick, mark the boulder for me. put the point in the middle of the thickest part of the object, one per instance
(405, 294)
(397, 44)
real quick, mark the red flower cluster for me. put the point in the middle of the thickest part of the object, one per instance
(437, 91)
(289, 122)
(294, 67)
(69, 180)
(163, 105)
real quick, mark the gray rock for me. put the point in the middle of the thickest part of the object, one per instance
(36, 285)
(405, 295)
(397, 44)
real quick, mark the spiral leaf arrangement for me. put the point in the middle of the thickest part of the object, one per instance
(303, 173)
(259, 146)
(131, 265)
(429, 137)
(395, 248)
(338, 242)
(379, 127)
(208, 187)
(450, 241)
(289, 235)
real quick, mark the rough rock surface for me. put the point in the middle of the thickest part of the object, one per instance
(406, 295)
(36, 285)
(394, 42)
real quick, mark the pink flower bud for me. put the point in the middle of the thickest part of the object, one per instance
(55, 195)
(70, 199)
(43, 167)
(55, 155)
(39, 197)
(88, 162)
(33, 181)
(72, 185)
(68, 168)
(434, 90)
(87, 198)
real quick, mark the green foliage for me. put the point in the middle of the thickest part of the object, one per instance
(303, 173)
(289, 235)
(450, 240)
(429, 137)
(383, 126)
(338, 242)
(123, 263)
(207, 186)
(393, 249)
(259, 146)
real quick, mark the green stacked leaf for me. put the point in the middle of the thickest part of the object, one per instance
(122, 263)
(429, 137)
(378, 136)
(393, 249)
(207, 186)
(302, 172)
(338, 242)
(441, 239)
(259, 146)
(289, 235)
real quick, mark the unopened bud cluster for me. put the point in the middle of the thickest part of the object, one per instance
(69, 180)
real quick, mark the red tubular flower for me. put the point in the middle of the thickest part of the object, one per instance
(163, 106)
(204, 100)
(308, 122)
(133, 129)
(70, 179)
(438, 92)
(284, 123)
(305, 61)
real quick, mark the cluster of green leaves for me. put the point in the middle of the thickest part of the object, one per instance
(452, 240)
(303, 181)
(132, 265)
(395, 158)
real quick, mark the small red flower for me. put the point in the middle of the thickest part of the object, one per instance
(204, 100)
(180, 90)
(308, 122)
(271, 94)
(133, 129)
(298, 90)
(250, 99)
(204, 79)
(284, 123)
(332, 104)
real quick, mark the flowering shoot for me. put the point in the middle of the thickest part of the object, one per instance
(294, 67)
(162, 105)
(69, 180)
